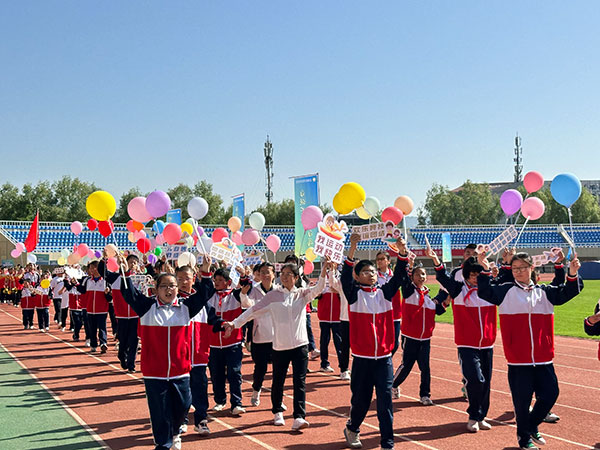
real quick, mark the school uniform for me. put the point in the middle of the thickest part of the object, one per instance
(96, 309)
(593, 329)
(42, 304)
(527, 327)
(76, 311)
(382, 278)
(27, 307)
(56, 284)
(328, 312)
(371, 342)
(344, 354)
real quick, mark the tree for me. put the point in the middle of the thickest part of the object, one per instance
(216, 212)
(584, 210)
(70, 195)
(180, 195)
(9, 202)
(278, 213)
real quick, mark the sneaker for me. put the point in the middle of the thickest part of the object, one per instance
(93, 349)
(123, 364)
(426, 401)
(255, 400)
(63, 329)
(48, 329)
(130, 370)
(315, 354)
(219, 407)
(352, 438)
(202, 428)
(528, 446)
(299, 424)
(464, 393)
(42, 330)
(192, 409)
(278, 419)
(87, 342)
(75, 338)
(395, 392)
(345, 375)
(483, 425)
(538, 438)
(328, 369)
(103, 348)
(551, 418)
(183, 428)
(283, 407)
(472, 426)
(238, 410)
(176, 443)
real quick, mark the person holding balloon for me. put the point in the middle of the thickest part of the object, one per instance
(526, 312)
(43, 303)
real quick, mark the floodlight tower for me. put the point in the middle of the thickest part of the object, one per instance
(269, 167)
(518, 160)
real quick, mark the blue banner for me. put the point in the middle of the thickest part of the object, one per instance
(239, 208)
(446, 248)
(174, 216)
(306, 193)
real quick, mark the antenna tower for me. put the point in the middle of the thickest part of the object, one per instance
(269, 167)
(518, 160)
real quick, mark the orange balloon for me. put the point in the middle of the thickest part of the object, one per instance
(405, 204)
(137, 225)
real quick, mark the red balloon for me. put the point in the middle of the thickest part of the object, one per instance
(92, 224)
(172, 233)
(130, 226)
(392, 213)
(143, 245)
(308, 267)
(106, 227)
(219, 234)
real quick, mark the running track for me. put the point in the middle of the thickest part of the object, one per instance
(112, 404)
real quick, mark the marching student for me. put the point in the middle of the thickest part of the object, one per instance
(371, 342)
(328, 312)
(591, 325)
(344, 354)
(56, 285)
(384, 273)
(75, 307)
(42, 306)
(27, 304)
(526, 312)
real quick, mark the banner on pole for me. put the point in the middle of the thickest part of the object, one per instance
(306, 193)
(446, 248)
(239, 208)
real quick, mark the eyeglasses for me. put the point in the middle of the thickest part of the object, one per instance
(520, 268)
(167, 286)
(368, 271)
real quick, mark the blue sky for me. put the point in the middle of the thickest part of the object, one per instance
(393, 95)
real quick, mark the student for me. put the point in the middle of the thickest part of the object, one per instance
(75, 307)
(371, 342)
(591, 325)
(384, 273)
(56, 285)
(526, 312)
(328, 312)
(344, 354)
(287, 306)
(42, 307)
(418, 312)
(165, 360)
(27, 305)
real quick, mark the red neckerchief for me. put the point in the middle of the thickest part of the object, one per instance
(222, 294)
(422, 293)
(471, 289)
(368, 288)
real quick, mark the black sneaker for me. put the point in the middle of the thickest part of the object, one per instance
(103, 348)
(538, 438)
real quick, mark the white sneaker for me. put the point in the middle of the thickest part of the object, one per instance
(192, 409)
(238, 411)
(352, 438)
(48, 329)
(176, 443)
(219, 407)
(472, 426)
(183, 428)
(255, 400)
(483, 425)
(426, 401)
(299, 424)
(395, 392)
(278, 419)
(62, 329)
(283, 407)
(345, 375)
(551, 418)
(327, 369)
(538, 438)
(202, 428)
(87, 343)
(315, 354)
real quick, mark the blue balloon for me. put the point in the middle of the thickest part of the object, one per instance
(158, 226)
(566, 189)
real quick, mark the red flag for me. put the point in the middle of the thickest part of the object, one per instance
(34, 235)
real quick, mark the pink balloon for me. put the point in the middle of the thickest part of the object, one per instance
(160, 239)
(130, 226)
(91, 254)
(83, 250)
(533, 208)
(137, 210)
(308, 267)
(112, 264)
(392, 213)
(76, 227)
(237, 238)
(273, 242)
(20, 246)
(533, 181)
(219, 234)
(15, 253)
(310, 217)
(137, 235)
(250, 237)
(172, 233)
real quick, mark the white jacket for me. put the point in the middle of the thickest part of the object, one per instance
(262, 330)
(334, 282)
(288, 312)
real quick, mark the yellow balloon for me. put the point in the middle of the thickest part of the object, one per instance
(45, 283)
(352, 195)
(405, 204)
(310, 254)
(101, 205)
(234, 223)
(187, 228)
(362, 213)
(340, 206)
(61, 261)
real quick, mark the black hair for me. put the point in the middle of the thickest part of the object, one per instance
(522, 256)
(93, 264)
(471, 266)
(471, 246)
(185, 268)
(266, 264)
(256, 267)
(362, 264)
(222, 273)
(131, 256)
(291, 259)
(163, 275)
(387, 256)
(293, 268)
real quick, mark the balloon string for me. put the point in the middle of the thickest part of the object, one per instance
(521, 232)
(112, 233)
(199, 237)
(571, 227)
(262, 239)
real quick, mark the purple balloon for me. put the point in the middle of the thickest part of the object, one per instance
(200, 231)
(98, 254)
(158, 203)
(152, 258)
(511, 201)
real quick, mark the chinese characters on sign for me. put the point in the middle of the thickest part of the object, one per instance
(330, 239)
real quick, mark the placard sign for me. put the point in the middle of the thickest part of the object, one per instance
(330, 239)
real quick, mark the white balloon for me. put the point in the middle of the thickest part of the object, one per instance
(185, 259)
(256, 221)
(208, 242)
(31, 258)
(197, 208)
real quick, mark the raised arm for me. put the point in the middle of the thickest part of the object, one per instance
(559, 295)
(309, 293)
(400, 276)
(109, 276)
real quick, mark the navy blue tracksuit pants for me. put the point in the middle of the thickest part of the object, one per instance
(199, 388)
(476, 365)
(366, 375)
(226, 363)
(128, 341)
(415, 350)
(76, 322)
(97, 324)
(328, 329)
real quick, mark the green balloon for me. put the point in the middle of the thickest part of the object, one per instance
(158, 251)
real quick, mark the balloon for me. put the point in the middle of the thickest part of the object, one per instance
(191, 221)
(250, 237)
(131, 237)
(352, 195)
(310, 217)
(130, 226)
(31, 258)
(45, 283)
(187, 228)
(73, 259)
(158, 251)
(392, 213)
(200, 231)
(65, 252)
(566, 189)
(111, 251)
(136, 208)
(90, 254)
(340, 206)
(137, 235)
(158, 226)
(138, 226)
(61, 261)
(160, 239)
(15, 253)
(532, 208)
(308, 267)
(533, 181)
(310, 254)
(106, 227)
(98, 253)
(85, 260)
(143, 245)
(189, 242)
(197, 208)
(372, 206)
(362, 213)
(219, 234)
(83, 250)
(237, 238)
(186, 259)
(76, 227)
(92, 224)
(152, 258)
(207, 242)
(101, 205)
(112, 264)
(256, 220)
(273, 242)
(405, 204)
(234, 224)
(511, 201)
(158, 204)
(20, 246)
(172, 233)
